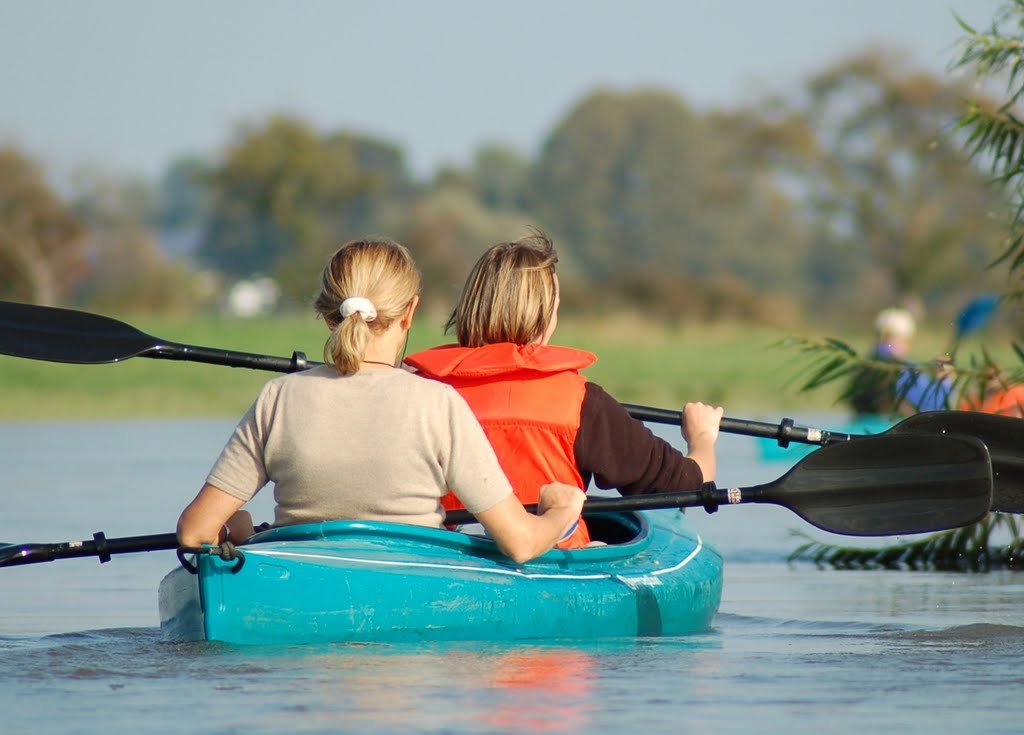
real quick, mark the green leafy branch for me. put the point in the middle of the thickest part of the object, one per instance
(822, 362)
(967, 549)
(997, 135)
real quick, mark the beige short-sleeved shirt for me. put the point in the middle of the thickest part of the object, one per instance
(377, 445)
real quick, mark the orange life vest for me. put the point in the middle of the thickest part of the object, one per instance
(528, 401)
(1007, 401)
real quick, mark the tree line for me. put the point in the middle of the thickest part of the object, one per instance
(855, 192)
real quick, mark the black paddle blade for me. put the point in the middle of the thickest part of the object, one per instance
(1004, 437)
(889, 485)
(64, 335)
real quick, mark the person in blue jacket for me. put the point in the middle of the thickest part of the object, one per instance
(880, 390)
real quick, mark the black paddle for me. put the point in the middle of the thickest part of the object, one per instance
(873, 487)
(65, 335)
(1003, 435)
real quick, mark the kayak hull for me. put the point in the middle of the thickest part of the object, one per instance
(368, 581)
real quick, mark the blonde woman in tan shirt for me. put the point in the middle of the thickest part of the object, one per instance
(358, 438)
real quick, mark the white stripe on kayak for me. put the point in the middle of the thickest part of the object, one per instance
(628, 579)
(423, 565)
(697, 549)
(651, 578)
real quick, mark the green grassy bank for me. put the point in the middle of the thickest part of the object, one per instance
(735, 366)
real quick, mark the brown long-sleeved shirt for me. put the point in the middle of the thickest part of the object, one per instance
(619, 452)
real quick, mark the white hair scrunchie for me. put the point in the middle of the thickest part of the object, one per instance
(357, 303)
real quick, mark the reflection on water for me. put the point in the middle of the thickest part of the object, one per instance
(544, 691)
(794, 649)
(527, 689)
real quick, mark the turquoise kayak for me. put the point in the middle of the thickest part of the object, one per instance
(384, 582)
(770, 451)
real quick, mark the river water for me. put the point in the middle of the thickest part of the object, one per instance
(794, 649)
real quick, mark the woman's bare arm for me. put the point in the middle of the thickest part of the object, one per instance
(202, 522)
(521, 535)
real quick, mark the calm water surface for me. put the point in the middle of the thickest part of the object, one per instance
(794, 649)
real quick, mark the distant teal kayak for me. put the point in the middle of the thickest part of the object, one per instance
(770, 451)
(370, 581)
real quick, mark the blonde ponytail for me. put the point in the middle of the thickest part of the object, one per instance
(347, 344)
(366, 285)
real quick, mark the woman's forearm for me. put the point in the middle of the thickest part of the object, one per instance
(703, 453)
(523, 536)
(202, 522)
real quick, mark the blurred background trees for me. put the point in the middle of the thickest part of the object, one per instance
(896, 210)
(823, 206)
(41, 239)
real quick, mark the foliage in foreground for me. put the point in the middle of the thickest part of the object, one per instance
(833, 362)
(967, 549)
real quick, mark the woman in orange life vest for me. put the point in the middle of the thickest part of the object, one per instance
(545, 420)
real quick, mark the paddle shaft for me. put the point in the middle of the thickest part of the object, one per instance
(229, 358)
(785, 431)
(99, 545)
(102, 547)
(709, 497)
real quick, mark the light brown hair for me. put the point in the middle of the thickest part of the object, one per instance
(509, 295)
(376, 269)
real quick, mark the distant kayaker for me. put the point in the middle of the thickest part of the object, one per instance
(890, 384)
(358, 438)
(544, 419)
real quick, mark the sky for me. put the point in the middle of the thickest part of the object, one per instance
(128, 86)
